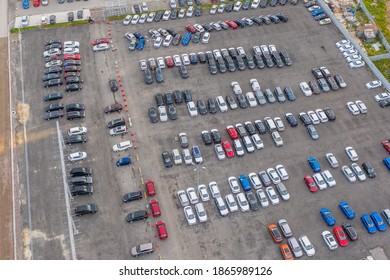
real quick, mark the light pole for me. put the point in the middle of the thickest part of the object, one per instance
(198, 168)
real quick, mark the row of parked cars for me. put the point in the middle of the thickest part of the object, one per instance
(246, 5)
(317, 13)
(350, 54)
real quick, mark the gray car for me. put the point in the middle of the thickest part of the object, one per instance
(312, 131)
(270, 97)
(284, 226)
(295, 247)
(265, 178)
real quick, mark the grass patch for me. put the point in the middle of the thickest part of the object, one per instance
(384, 66)
(371, 51)
(47, 26)
(361, 16)
(378, 11)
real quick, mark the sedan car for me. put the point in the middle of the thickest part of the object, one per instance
(273, 176)
(203, 193)
(220, 152)
(275, 233)
(358, 172)
(350, 231)
(328, 216)
(368, 223)
(307, 245)
(353, 108)
(351, 153)
(273, 197)
(329, 239)
(348, 174)
(167, 159)
(373, 84)
(310, 183)
(340, 236)
(347, 210)
(190, 216)
(314, 164)
(100, 47)
(378, 221)
(191, 193)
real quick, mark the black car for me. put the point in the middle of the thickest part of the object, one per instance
(207, 138)
(75, 139)
(224, 25)
(194, 58)
(53, 82)
(81, 180)
(51, 76)
(332, 83)
(70, 16)
(246, 5)
(369, 169)
(278, 61)
(259, 61)
(116, 122)
(75, 115)
(250, 128)
(137, 9)
(317, 73)
(241, 130)
(158, 16)
(198, 11)
(148, 77)
(72, 68)
(75, 107)
(268, 60)
(215, 136)
(85, 209)
(221, 65)
(249, 61)
(198, 2)
(305, 119)
(230, 64)
(260, 127)
(187, 95)
(273, 18)
(252, 201)
(177, 96)
(53, 115)
(282, 17)
(240, 23)
(257, 21)
(73, 87)
(131, 196)
(53, 96)
(291, 120)
(384, 103)
(213, 67)
(80, 171)
(152, 113)
(289, 93)
(285, 57)
(113, 85)
(137, 216)
(167, 159)
(159, 99)
(242, 101)
(52, 19)
(314, 87)
(172, 32)
(207, 27)
(330, 114)
(230, 101)
(74, 80)
(174, 14)
(176, 40)
(72, 62)
(53, 46)
(183, 71)
(53, 41)
(282, 2)
(211, 104)
(172, 113)
(168, 99)
(350, 231)
(196, 37)
(320, 17)
(181, 3)
(201, 107)
(229, 7)
(54, 107)
(202, 57)
(81, 190)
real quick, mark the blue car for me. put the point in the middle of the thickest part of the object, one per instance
(141, 44)
(347, 210)
(314, 164)
(246, 186)
(26, 4)
(386, 161)
(123, 161)
(368, 223)
(138, 35)
(378, 221)
(186, 39)
(317, 12)
(328, 217)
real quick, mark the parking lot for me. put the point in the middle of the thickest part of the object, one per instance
(107, 235)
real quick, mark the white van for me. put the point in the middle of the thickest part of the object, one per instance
(122, 146)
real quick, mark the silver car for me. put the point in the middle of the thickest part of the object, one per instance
(312, 132)
(273, 197)
(332, 160)
(221, 206)
(262, 198)
(283, 191)
(284, 226)
(307, 246)
(295, 247)
(265, 178)
(187, 157)
(190, 216)
(282, 172)
(351, 153)
(348, 174)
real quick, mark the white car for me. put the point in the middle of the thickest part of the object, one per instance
(257, 50)
(307, 246)
(183, 198)
(259, 144)
(203, 193)
(237, 144)
(51, 52)
(192, 110)
(242, 202)
(71, 44)
(190, 216)
(187, 157)
(122, 146)
(221, 206)
(329, 239)
(163, 113)
(305, 89)
(190, 11)
(273, 176)
(78, 130)
(161, 62)
(77, 51)
(214, 190)
(100, 47)
(167, 41)
(53, 63)
(353, 108)
(353, 58)
(382, 96)
(177, 60)
(77, 156)
(221, 9)
(321, 115)
(144, 7)
(251, 99)
(172, 4)
(186, 59)
(205, 38)
(237, 6)
(221, 104)
(213, 9)
(282, 172)
(142, 18)
(320, 181)
(201, 212)
(166, 15)
(313, 117)
(219, 152)
(373, 84)
(342, 43)
(129, 36)
(262, 198)
(255, 4)
(277, 138)
(362, 107)
(151, 17)
(313, 8)
(255, 84)
(135, 19)
(273, 197)
(351, 153)
(127, 20)
(143, 65)
(182, 13)
(24, 21)
(157, 42)
(231, 203)
(199, 27)
(255, 180)
(248, 21)
(348, 174)
(332, 160)
(279, 124)
(236, 88)
(330, 181)
(356, 64)
(349, 52)
(272, 49)
(358, 172)
(325, 21)
(233, 183)
(345, 48)
(177, 160)
(191, 193)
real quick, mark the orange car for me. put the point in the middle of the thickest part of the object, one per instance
(275, 233)
(286, 252)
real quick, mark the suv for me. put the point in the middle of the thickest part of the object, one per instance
(80, 171)
(137, 216)
(369, 169)
(86, 209)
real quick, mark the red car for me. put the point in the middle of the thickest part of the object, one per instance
(228, 148)
(386, 145)
(190, 28)
(36, 3)
(162, 230)
(169, 62)
(232, 132)
(150, 187)
(155, 208)
(231, 24)
(72, 56)
(310, 183)
(214, 1)
(340, 236)
(100, 41)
